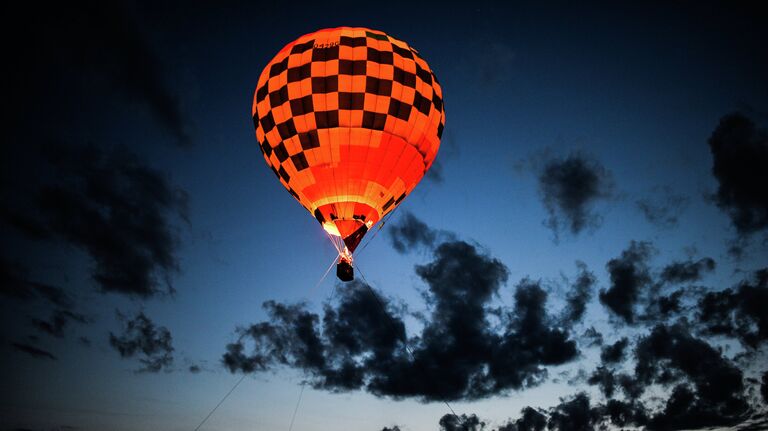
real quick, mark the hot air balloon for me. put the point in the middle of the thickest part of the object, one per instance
(349, 120)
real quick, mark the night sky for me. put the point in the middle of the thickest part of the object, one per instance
(590, 248)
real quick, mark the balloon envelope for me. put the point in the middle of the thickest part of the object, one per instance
(349, 120)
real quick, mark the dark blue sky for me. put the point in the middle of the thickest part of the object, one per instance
(134, 193)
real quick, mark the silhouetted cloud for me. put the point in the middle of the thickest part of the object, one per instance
(738, 312)
(58, 321)
(708, 389)
(69, 54)
(663, 207)
(660, 307)
(764, 387)
(687, 271)
(579, 294)
(33, 351)
(451, 422)
(574, 414)
(459, 354)
(435, 172)
(117, 209)
(194, 369)
(740, 156)
(569, 188)
(392, 428)
(530, 420)
(592, 337)
(629, 275)
(14, 284)
(410, 233)
(615, 352)
(605, 379)
(141, 338)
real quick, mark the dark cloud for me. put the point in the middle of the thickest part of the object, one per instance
(738, 312)
(140, 337)
(615, 352)
(459, 354)
(14, 284)
(530, 420)
(663, 207)
(578, 296)
(592, 337)
(118, 210)
(33, 351)
(392, 428)
(410, 233)
(708, 389)
(574, 414)
(95, 51)
(58, 322)
(687, 271)
(661, 307)
(435, 172)
(605, 379)
(451, 422)
(622, 413)
(740, 156)
(629, 276)
(194, 369)
(569, 188)
(764, 387)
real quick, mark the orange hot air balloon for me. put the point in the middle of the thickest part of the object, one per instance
(349, 120)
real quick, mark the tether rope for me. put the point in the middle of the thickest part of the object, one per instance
(295, 410)
(405, 341)
(245, 374)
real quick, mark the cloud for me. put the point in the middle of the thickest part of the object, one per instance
(738, 312)
(660, 307)
(194, 369)
(592, 337)
(574, 414)
(569, 188)
(615, 352)
(629, 275)
(33, 351)
(459, 353)
(579, 294)
(14, 284)
(764, 387)
(687, 271)
(740, 155)
(708, 389)
(68, 55)
(410, 233)
(530, 420)
(451, 422)
(118, 210)
(605, 379)
(140, 337)
(58, 322)
(663, 207)
(435, 172)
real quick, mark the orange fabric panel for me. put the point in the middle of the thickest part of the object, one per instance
(349, 119)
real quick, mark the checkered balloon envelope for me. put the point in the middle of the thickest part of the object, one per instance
(349, 120)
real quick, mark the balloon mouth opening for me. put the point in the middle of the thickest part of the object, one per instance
(331, 228)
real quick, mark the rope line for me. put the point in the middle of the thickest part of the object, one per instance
(405, 341)
(295, 410)
(381, 226)
(221, 402)
(244, 374)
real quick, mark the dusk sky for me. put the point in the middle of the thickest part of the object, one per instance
(589, 250)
